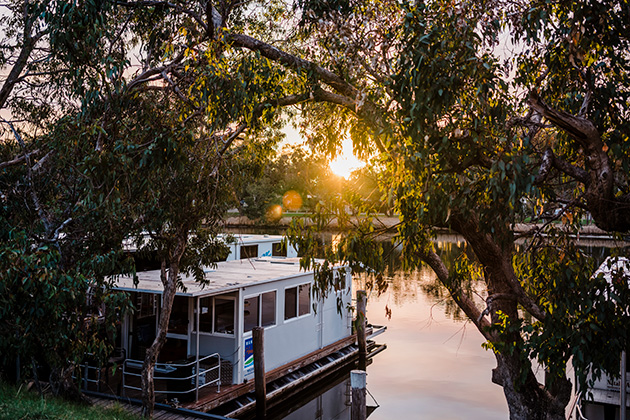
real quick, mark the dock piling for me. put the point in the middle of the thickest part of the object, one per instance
(358, 384)
(260, 386)
(361, 322)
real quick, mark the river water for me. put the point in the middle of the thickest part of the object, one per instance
(434, 366)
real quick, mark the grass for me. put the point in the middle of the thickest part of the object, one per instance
(18, 403)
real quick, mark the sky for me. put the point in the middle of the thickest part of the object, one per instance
(342, 165)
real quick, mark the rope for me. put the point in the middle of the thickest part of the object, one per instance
(374, 399)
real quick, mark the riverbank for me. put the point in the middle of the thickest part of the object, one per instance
(388, 222)
(21, 403)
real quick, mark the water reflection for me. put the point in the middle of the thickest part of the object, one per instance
(434, 366)
(334, 404)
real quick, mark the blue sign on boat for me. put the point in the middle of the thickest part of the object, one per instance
(248, 364)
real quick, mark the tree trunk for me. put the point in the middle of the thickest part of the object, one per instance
(150, 359)
(530, 400)
(527, 399)
(170, 288)
(63, 385)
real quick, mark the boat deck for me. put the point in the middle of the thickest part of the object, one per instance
(210, 400)
(110, 382)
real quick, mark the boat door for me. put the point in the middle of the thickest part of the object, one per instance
(176, 347)
(141, 326)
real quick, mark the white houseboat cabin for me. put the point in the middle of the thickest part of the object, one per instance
(210, 330)
(258, 246)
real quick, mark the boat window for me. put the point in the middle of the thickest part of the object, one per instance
(178, 322)
(146, 304)
(223, 316)
(205, 316)
(249, 251)
(259, 310)
(250, 313)
(279, 250)
(305, 299)
(290, 303)
(268, 309)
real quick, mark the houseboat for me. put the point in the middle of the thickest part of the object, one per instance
(608, 394)
(207, 360)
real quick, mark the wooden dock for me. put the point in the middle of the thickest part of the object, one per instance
(137, 410)
(209, 399)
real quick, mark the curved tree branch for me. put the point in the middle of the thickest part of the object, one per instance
(462, 300)
(496, 262)
(362, 107)
(609, 212)
(550, 160)
(28, 45)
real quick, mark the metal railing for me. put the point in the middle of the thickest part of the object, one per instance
(176, 375)
(85, 379)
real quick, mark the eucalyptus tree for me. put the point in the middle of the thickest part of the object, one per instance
(460, 134)
(53, 263)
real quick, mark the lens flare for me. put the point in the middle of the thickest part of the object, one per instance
(291, 200)
(274, 213)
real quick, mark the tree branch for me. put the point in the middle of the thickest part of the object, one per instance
(495, 260)
(549, 160)
(36, 203)
(18, 159)
(28, 44)
(148, 75)
(581, 129)
(462, 300)
(177, 7)
(362, 106)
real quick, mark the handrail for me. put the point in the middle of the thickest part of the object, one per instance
(85, 379)
(173, 367)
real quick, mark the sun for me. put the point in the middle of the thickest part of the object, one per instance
(346, 162)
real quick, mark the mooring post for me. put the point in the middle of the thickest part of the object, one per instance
(359, 392)
(361, 322)
(260, 387)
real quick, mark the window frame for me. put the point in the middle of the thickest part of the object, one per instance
(279, 250)
(249, 248)
(297, 301)
(213, 316)
(258, 297)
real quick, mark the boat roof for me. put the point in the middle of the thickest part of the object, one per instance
(226, 277)
(130, 244)
(251, 238)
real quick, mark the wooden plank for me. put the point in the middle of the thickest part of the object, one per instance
(134, 409)
(162, 415)
(361, 323)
